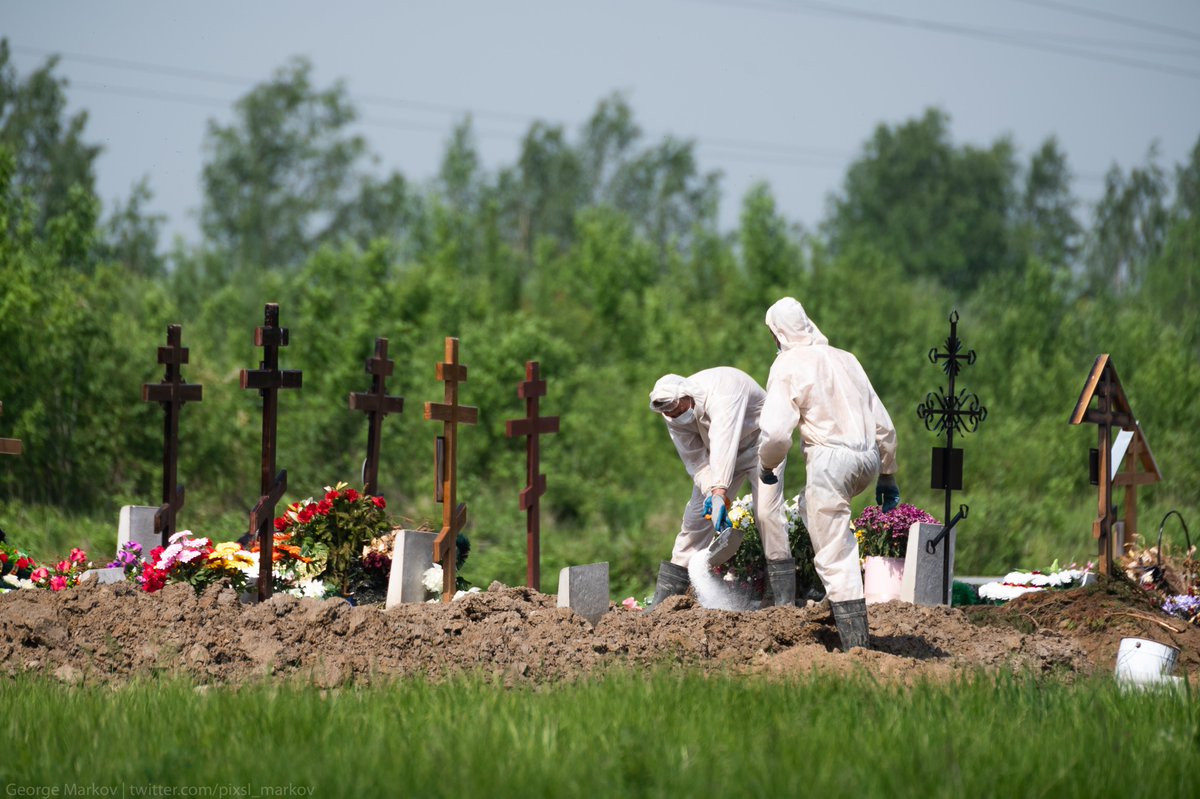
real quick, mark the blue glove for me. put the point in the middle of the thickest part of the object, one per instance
(767, 477)
(720, 518)
(887, 493)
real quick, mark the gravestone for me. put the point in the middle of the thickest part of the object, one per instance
(928, 578)
(584, 589)
(137, 524)
(412, 555)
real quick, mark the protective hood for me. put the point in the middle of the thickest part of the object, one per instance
(791, 325)
(670, 388)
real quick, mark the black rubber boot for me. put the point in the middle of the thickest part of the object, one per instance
(851, 620)
(782, 575)
(672, 580)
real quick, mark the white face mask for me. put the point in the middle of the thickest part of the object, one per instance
(687, 417)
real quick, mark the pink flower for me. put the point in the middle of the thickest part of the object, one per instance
(39, 574)
(78, 556)
(631, 603)
(58, 583)
(62, 567)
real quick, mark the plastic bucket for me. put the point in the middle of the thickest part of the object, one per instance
(883, 579)
(1142, 661)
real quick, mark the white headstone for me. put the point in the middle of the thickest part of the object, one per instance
(584, 589)
(137, 524)
(105, 576)
(925, 582)
(412, 555)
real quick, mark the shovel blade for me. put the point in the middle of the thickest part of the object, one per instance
(725, 545)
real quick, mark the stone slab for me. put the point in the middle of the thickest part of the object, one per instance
(584, 589)
(924, 582)
(412, 555)
(103, 576)
(137, 524)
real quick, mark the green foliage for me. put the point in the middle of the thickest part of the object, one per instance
(624, 734)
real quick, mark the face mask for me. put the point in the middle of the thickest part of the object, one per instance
(687, 417)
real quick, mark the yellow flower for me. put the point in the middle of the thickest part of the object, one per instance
(229, 555)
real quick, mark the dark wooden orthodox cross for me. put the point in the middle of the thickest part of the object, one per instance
(445, 458)
(947, 412)
(171, 393)
(1112, 409)
(267, 380)
(376, 404)
(535, 484)
(9, 446)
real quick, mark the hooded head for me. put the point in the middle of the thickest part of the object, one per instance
(669, 390)
(791, 325)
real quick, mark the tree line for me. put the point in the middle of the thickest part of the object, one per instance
(597, 253)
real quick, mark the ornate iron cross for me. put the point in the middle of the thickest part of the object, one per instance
(376, 404)
(171, 393)
(946, 412)
(267, 380)
(1112, 408)
(451, 415)
(531, 427)
(9, 446)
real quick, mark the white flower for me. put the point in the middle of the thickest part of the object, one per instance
(15, 582)
(1004, 592)
(308, 589)
(432, 578)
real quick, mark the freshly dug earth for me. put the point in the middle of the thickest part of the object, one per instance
(110, 633)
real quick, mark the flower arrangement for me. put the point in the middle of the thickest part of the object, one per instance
(748, 566)
(332, 532)
(881, 534)
(15, 568)
(1185, 606)
(1018, 583)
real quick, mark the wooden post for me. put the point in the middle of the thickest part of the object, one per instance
(1138, 454)
(267, 380)
(451, 415)
(535, 484)
(376, 404)
(1112, 408)
(9, 446)
(171, 393)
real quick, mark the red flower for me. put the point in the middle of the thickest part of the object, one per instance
(379, 502)
(324, 507)
(305, 516)
(3, 557)
(24, 563)
(78, 556)
(352, 495)
(331, 496)
(152, 579)
(58, 583)
(281, 523)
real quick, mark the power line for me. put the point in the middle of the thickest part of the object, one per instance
(997, 36)
(1119, 19)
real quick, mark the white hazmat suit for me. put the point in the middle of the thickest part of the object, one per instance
(718, 443)
(845, 432)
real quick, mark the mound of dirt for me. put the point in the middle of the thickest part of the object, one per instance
(102, 633)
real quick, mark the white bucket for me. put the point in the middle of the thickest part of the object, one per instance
(1142, 661)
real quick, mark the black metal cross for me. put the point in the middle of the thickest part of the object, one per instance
(376, 404)
(267, 380)
(171, 393)
(9, 446)
(1112, 408)
(451, 415)
(535, 486)
(949, 411)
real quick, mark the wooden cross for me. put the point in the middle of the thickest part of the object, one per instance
(267, 380)
(171, 393)
(531, 427)
(1112, 408)
(376, 404)
(9, 446)
(450, 414)
(1137, 453)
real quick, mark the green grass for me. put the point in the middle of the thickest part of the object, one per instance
(626, 735)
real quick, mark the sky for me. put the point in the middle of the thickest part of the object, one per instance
(781, 91)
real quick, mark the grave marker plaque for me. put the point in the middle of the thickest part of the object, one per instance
(531, 427)
(376, 404)
(451, 415)
(171, 393)
(268, 379)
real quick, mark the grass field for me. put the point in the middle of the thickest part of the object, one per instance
(625, 735)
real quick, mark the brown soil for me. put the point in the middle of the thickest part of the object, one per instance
(107, 633)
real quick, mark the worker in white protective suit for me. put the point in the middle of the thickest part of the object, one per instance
(713, 418)
(847, 438)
